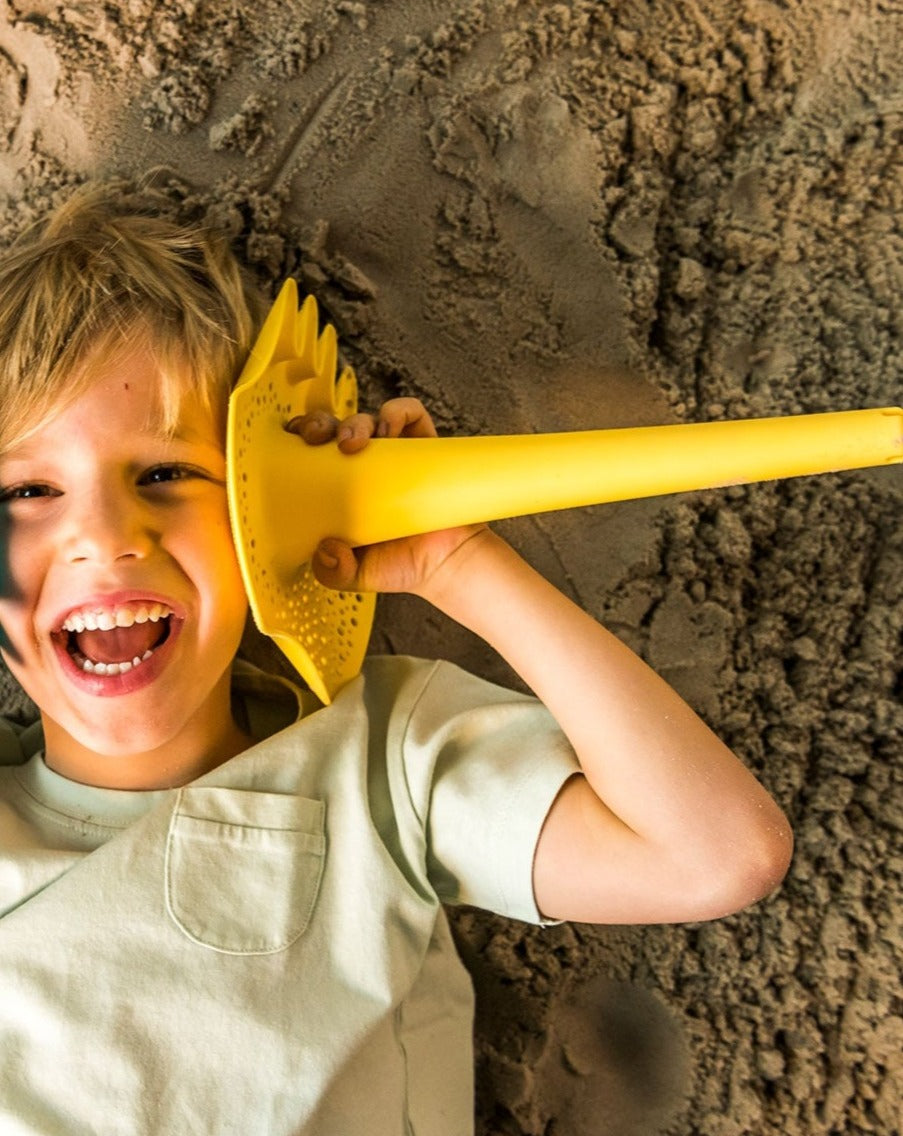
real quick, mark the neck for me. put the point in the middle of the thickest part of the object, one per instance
(196, 750)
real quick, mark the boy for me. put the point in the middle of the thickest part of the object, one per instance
(221, 903)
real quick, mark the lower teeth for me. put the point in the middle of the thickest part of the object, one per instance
(111, 668)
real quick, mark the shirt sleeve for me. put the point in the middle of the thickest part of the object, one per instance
(496, 760)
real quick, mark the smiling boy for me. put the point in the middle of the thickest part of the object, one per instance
(220, 903)
(116, 525)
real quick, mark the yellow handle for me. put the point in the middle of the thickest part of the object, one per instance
(398, 487)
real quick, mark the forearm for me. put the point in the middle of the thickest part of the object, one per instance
(654, 765)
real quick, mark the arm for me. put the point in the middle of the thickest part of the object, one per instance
(665, 824)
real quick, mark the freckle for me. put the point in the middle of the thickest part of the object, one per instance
(126, 385)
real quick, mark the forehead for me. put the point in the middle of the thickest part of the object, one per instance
(123, 398)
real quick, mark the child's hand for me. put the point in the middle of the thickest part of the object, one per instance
(405, 565)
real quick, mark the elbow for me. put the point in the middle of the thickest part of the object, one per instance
(771, 845)
(752, 868)
(779, 855)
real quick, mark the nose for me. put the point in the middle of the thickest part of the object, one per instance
(107, 523)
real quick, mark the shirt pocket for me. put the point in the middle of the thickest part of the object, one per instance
(243, 869)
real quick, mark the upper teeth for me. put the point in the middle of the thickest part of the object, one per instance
(108, 618)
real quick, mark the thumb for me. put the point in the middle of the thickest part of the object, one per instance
(335, 565)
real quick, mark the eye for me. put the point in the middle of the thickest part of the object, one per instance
(164, 474)
(30, 491)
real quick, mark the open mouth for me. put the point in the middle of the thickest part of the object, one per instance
(117, 641)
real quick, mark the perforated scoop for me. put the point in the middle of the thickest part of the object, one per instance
(291, 371)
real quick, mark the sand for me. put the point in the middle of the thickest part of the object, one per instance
(560, 216)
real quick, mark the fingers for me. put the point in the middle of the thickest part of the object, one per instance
(397, 418)
(318, 427)
(315, 428)
(355, 432)
(335, 565)
(406, 417)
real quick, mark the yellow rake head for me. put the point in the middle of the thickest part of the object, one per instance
(291, 371)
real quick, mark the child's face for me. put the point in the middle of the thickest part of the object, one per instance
(103, 519)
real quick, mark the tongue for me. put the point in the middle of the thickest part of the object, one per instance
(121, 644)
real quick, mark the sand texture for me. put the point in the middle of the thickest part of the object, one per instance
(553, 216)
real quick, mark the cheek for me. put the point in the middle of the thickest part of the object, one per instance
(224, 583)
(19, 565)
(18, 599)
(227, 561)
(26, 560)
(19, 652)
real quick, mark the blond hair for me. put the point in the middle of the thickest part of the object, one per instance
(109, 268)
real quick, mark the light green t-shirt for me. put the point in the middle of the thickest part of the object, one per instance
(264, 951)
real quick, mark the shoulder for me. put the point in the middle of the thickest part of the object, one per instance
(417, 685)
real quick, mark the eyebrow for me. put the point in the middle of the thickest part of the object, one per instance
(30, 449)
(164, 438)
(22, 452)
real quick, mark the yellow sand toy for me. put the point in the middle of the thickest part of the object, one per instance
(285, 496)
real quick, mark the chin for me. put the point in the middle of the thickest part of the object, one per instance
(123, 742)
